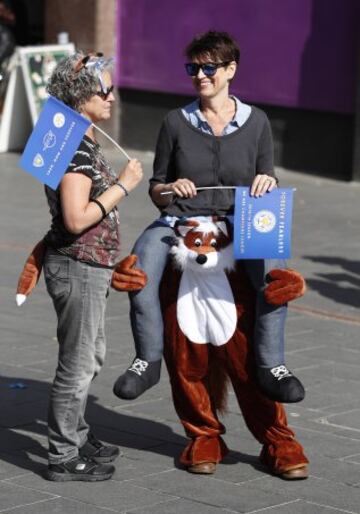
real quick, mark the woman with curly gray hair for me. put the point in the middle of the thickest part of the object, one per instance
(82, 249)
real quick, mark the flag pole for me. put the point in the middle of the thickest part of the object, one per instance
(112, 140)
(208, 187)
(202, 188)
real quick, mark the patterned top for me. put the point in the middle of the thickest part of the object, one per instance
(98, 245)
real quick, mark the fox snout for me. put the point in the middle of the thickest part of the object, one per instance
(201, 258)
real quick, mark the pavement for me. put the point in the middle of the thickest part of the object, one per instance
(323, 348)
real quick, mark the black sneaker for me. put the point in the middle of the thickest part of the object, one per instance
(139, 377)
(97, 451)
(280, 385)
(81, 469)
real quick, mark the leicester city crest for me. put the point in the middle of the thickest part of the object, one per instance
(264, 221)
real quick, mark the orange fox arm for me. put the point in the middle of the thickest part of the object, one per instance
(32, 270)
(128, 278)
(286, 285)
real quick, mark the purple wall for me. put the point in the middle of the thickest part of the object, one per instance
(295, 53)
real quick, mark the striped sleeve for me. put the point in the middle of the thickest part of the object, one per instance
(82, 161)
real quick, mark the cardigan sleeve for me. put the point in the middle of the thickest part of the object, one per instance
(265, 155)
(163, 168)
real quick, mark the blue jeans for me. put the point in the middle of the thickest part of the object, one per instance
(79, 293)
(152, 249)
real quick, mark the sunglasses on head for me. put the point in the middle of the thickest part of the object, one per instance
(81, 63)
(104, 93)
(208, 68)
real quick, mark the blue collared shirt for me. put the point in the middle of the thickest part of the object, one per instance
(194, 115)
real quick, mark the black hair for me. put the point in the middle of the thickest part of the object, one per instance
(219, 46)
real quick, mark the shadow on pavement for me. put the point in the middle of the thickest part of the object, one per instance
(341, 287)
(23, 426)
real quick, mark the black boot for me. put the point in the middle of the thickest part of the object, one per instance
(137, 379)
(279, 384)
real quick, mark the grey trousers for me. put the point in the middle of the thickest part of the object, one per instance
(79, 293)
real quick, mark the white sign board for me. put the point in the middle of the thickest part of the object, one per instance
(30, 69)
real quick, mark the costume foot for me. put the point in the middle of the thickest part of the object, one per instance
(280, 385)
(203, 468)
(295, 474)
(137, 379)
(285, 459)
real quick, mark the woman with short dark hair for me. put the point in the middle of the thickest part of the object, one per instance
(217, 140)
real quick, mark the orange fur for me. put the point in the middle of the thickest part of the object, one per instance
(128, 278)
(198, 376)
(286, 285)
(31, 272)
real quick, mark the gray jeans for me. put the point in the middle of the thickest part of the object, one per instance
(152, 249)
(79, 293)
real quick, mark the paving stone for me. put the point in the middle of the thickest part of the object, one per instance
(241, 497)
(62, 506)
(25, 413)
(136, 427)
(327, 444)
(109, 494)
(321, 491)
(163, 454)
(340, 471)
(13, 496)
(180, 506)
(127, 469)
(12, 440)
(303, 507)
(18, 462)
(163, 407)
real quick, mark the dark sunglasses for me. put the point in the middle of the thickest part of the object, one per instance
(208, 68)
(105, 93)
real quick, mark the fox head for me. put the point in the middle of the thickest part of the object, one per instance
(203, 244)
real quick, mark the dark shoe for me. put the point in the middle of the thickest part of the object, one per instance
(280, 385)
(97, 451)
(137, 379)
(79, 468)
(203, 468)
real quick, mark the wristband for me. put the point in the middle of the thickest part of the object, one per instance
(100, 205)
(122, 187)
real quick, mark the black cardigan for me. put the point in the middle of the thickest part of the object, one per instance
(183, 151)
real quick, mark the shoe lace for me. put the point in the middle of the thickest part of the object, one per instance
(280, 372)
(94, 441)
(139, 366)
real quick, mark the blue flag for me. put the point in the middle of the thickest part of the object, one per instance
(262, 226)
(53, 142)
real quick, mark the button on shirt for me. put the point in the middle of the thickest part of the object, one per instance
(194, 115)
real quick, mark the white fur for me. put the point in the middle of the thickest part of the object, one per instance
(206, 309)
(20, 299)
(184, 258)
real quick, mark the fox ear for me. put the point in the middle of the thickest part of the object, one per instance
(223, 227)
(183, 227)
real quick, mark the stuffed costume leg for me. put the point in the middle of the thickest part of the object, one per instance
(197, 380)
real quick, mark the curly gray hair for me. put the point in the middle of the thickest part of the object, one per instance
(74, 87)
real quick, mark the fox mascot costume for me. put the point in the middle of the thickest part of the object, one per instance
(208, 309)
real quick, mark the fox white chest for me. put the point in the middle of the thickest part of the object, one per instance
(206, 309)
